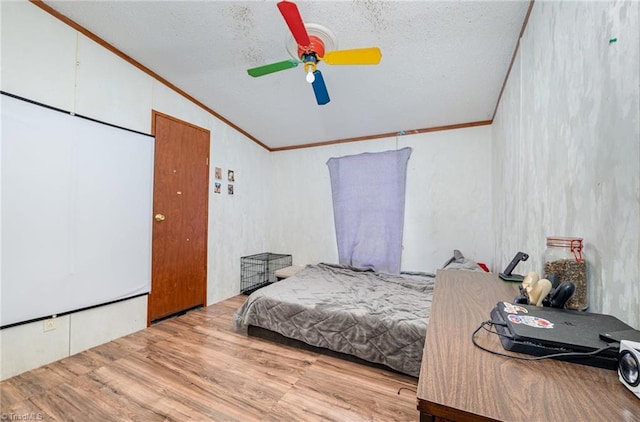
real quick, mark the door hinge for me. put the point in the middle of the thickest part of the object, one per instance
(207, 160)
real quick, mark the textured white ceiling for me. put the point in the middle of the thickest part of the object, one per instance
(443, 62)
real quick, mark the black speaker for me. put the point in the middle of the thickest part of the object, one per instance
(629, 365)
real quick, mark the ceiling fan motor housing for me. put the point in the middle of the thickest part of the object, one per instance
(321, 38)
(316, 46)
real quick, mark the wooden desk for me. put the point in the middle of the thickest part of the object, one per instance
(460, 382)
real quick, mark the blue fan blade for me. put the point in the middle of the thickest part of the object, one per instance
(320, 89)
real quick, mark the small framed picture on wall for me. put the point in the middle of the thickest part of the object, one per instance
(230, 189)
(231, 176)
(216, 187)
(218, 173)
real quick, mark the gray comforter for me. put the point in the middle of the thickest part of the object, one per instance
(377, 317)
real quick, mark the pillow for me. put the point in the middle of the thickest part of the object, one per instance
(459, 262)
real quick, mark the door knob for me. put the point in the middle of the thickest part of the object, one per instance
(159, 217)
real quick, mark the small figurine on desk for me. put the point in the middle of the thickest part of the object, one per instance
(544, 292)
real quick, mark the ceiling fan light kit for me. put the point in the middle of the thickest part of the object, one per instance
(311, 43)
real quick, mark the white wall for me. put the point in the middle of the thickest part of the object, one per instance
(448, 198)
(45, 60)
(567, 146)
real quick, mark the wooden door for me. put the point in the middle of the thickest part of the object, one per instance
(180, 207)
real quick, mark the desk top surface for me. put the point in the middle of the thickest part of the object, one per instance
(459, 381)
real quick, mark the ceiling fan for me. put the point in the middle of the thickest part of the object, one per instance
(311, 41)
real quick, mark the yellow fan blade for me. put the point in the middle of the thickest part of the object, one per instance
(356, 56)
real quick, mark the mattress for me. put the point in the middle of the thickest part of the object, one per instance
(377, 317)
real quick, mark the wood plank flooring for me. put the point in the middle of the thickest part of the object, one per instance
(196, 368)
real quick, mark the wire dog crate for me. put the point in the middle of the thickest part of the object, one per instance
(258, 270)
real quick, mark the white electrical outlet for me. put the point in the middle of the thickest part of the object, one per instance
(50, 324)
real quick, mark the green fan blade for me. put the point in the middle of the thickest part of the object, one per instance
(271, 68)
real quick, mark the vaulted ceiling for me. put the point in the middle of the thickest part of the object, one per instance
(443, 62)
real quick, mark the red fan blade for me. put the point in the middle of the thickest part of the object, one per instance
(293, 19)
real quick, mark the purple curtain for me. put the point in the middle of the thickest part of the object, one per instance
(368, 208)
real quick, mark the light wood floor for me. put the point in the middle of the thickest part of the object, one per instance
(196, 368)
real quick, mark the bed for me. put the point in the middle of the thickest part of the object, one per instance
(375, 317)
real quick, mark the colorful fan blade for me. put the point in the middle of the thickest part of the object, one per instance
(356, 56)
(320, 89)
(271, 68)
(293, 19)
